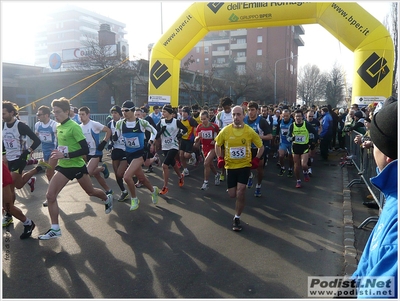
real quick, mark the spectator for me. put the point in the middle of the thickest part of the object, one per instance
(358, 123)
(379, 257)
(335, 120)
(342, 118)
(325, 135)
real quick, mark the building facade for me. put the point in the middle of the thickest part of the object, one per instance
(70, 28)
(270, 53)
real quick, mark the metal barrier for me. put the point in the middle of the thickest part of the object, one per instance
(363, 160)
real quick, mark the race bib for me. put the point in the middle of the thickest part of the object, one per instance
(132, 142)
(237, 152)
(168, 140)
(63, 149)
(207, 134)
(284, 131)
(11, 143)
(300, 139)
(45, 136)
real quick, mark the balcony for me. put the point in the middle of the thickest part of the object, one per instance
(89, 20)
(299, 29)
(220, 53)
(239, 32)
(88, 29)
(239, 46)
(220, 65)
(298, 40)
(241, 59)
(220, 41)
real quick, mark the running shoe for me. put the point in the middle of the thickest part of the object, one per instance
(124, 196)
(44, 165)
(290, 173)
(45, 204)
(281, 172)
(310, 172)
(275, 156)
(204, 187)
(50, 234)
(306, 177)
(106, 172)
(7, 220)
(298, 183)
(164, 190)
(28, 230)
(236, 224)
(134, 204)
(250, 181)
(257, 193)
(192, 160)
(154, 194)
(278, 164)
(222, 178)
(181, 180)
(109, 204)
(186, 172)
(138, 184)
(149, 170)
(31, 183)
(217, 179)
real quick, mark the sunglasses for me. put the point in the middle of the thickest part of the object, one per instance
(126, 110)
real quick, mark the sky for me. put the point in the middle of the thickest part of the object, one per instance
(21, 19)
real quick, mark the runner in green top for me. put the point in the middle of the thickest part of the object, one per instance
(72, 146)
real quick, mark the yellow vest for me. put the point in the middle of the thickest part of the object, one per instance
(301, 134)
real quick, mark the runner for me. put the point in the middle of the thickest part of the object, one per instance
(205, 135)
(222, 119)
(91, 130)
(186, 145)
(299, 132)
(168, 129)
(72, 146)
(237, 139)
(133, 129)
(10, 208)
(14, 144)
(262, 128)
(313, 142)
(45, 129)
(285, 147)
(118, 155)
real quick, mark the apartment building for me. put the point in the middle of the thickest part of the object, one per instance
(68, 28)
(270, 53)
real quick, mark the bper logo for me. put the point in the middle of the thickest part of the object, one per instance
(215, 6)
(233, 18)
(159, 74)
(373, 70)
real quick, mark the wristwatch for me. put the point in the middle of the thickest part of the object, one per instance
(66, 156)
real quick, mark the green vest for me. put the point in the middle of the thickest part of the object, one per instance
(301, 134)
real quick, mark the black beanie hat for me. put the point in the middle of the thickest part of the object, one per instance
(384, 128)
(128, 104)
(116, 109)
(168, 108)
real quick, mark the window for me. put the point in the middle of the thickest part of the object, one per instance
(259, 39)
(220, 60)
(258, 66)
(197, 60)
(206, 71)
(241, 69)
(206, 49)
(241, 41)
(259, 52)
(206, 61)
(241, 54)
(221, 48)
(197, 49)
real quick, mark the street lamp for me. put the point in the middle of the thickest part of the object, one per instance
(275, 74)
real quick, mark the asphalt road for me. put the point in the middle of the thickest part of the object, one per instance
(184, 246)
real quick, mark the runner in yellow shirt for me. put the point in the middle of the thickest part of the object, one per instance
(237, 139)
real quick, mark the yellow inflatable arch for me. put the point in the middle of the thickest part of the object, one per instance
(358, 30)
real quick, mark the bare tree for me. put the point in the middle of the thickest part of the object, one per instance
(334, 92)
(311, 84)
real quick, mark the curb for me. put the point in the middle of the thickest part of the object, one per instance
(350, 252)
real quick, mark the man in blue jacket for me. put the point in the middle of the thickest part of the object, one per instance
(326, 133)
(380, 253)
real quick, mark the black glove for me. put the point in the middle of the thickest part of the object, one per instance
(24, 155)
(115, 137)
(110, 146)
(163, 129)
(179, 135)
(102, 145)
(284, 133)
(290, 139)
